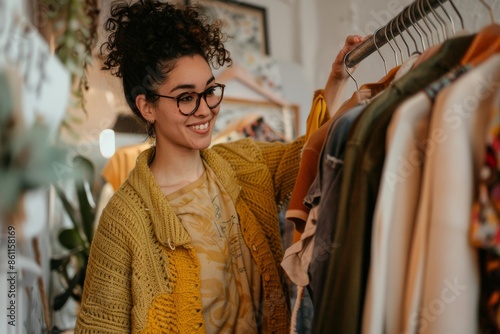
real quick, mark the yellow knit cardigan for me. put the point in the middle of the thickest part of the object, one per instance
(143, 274)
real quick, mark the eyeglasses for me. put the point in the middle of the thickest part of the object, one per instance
(189, 102)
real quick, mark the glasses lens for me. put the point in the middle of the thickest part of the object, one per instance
(187, 102)
(213, 96)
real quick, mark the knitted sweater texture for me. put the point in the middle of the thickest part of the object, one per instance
(143, 274)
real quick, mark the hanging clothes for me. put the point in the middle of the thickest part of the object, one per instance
(306, 194)
(298, 211)
(401, 228)
(396, 207)
(461, 113)
(349, 261)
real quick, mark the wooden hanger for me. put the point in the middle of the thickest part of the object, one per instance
(237, 72)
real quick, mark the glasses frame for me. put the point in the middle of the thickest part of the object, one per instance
(204, 94)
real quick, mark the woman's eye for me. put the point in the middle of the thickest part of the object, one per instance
(186, 98)
(210, 91)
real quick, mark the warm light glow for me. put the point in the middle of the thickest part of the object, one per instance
(107, 143)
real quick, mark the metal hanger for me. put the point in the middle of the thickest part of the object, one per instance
(490, 11)
(440, 21)
(407, 12)
(458, 14)
(395, 40)
(453, 29)
(347, 70)
(426, 21)
(412, 12)
(390, 44)
(408, 30)
(398, 26)
(438, 30)
(378, 50)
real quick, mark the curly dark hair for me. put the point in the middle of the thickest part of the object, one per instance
(146, 38)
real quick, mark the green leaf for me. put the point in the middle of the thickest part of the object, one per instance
(6, 105)
(70, 210)
(62, 298)
(85, 199)
(71, 239)
(87, 211)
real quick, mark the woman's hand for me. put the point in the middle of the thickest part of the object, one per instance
(338, 69)
(338, 76)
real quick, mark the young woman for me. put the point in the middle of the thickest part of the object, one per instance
(190, 243)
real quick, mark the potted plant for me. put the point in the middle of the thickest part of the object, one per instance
(76, 240)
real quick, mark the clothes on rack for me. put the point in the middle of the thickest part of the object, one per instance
(298, 211)
(402, 234)
(349, 264)
(485, 229)
(393, 222)
(443, 219)
(305, 254)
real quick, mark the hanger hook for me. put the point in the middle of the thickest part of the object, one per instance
(409, 10)
(412, 13)
(426, 20)
(439, 20)
(378, 50)
(453, 28)
(398, 18)
(390, 44)
(347, 70)
(408, 31)
(458, 14)
(394, 39)
(490, 11)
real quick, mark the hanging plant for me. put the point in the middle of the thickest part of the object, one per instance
(74, 24)
(27, 157)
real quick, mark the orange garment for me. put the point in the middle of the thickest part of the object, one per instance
(121, 163)
(297, 212)
(485, 44)
(383, 83)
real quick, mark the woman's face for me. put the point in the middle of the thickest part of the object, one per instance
(174, 130)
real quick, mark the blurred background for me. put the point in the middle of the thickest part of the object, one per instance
(63, 118)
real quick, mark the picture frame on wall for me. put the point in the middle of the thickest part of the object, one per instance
(246, 24)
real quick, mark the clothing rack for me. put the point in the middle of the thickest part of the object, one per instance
(391, 29)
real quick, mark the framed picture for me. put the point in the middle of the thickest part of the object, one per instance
(282, 121)
(246, 24)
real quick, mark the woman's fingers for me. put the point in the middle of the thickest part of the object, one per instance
(351, 42)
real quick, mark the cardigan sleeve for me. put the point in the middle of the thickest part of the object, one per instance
(106, 303)
(283, 161)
